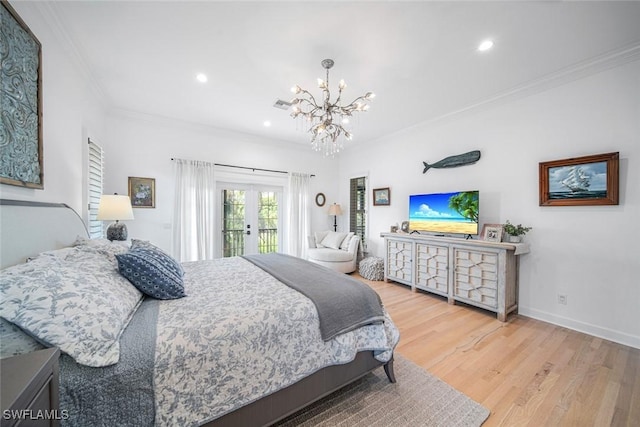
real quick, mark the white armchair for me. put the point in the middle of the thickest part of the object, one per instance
(337, 251)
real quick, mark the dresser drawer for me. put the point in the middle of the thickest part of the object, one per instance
(432, 268)
(476, 277)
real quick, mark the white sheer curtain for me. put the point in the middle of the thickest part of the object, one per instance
(298, 214)
(193, 214)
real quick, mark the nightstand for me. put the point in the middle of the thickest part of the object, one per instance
(30, 389)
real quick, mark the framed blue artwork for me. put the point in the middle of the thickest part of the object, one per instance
(20, 102)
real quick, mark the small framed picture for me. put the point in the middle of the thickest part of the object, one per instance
(405, 226)
(142, 192)
(381, 196)
(492, 232)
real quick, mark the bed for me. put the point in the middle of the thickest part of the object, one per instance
(241, 348)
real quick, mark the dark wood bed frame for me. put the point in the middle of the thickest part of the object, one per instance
(28, 228)
(279, 405)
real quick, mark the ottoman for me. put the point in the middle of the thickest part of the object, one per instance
(372, 268)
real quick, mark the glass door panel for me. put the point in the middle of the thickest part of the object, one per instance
(267, 222)
(250, 220)
(233, 222)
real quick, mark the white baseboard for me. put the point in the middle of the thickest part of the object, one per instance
(597, 331)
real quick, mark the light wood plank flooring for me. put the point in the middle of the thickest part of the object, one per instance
(527, 372)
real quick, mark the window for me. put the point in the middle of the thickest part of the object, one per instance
(94, 185)
(358, 209)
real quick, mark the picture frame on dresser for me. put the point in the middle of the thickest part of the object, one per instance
(580, 181)
(492, 232)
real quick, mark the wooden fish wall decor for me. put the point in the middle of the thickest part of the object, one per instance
(454, 161)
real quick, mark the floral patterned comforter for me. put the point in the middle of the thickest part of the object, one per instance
(240, 335)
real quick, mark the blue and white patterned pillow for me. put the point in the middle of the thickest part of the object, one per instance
(152, 271)
(80, 304)
(102, 246)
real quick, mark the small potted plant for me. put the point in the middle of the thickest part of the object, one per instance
(515, 232)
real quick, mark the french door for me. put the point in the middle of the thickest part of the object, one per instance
(251, 219)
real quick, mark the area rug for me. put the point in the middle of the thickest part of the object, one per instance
(416, 399)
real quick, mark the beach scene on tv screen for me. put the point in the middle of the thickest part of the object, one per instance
(445, 212)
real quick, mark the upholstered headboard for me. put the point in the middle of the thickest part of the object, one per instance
(28, 228)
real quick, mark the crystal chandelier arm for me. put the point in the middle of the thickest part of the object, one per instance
(355, 101)
(311, 101)
(337, 103)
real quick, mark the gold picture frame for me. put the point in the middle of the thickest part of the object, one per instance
(142, 192)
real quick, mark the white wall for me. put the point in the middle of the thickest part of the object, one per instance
(72, 112)
(589, 253)
(144, 146)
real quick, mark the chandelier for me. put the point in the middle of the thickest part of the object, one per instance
(327, 119)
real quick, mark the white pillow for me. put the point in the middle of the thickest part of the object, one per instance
(345, 243)
(333, 239)
(80, 304)
(319, 236)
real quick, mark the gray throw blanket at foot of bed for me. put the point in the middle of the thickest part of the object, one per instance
(343, 303)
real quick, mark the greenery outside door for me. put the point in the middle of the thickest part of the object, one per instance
(251, 219)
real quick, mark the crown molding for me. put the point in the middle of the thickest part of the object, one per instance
(611, 59)
(48, 12)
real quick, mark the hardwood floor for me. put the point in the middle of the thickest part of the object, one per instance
(527, 372)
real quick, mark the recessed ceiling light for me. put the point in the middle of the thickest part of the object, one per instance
(485, 45)
(267, 123)
(202, 78)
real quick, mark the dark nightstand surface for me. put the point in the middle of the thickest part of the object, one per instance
(29, 381)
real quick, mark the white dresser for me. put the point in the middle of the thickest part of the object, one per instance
(476, 272)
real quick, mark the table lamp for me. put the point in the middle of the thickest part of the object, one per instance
(115, 208)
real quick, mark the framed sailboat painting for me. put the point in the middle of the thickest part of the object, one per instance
(579, 181)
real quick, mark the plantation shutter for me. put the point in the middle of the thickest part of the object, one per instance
(358, 209)
(96, 158)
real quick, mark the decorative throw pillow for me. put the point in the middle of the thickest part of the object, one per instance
(152, 271)
(171, 262)
(80, 306)
(345, 243)
(319, 236)
(333, 239)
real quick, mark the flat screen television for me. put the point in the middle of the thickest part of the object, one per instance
(449, 213)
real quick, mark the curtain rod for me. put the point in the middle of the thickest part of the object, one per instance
(248, 168)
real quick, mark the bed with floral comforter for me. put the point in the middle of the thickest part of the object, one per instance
(238, 335)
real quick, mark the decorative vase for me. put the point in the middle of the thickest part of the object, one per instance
(514, 239)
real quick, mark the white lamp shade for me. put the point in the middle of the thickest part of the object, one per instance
(114, 208)
(335, 209)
